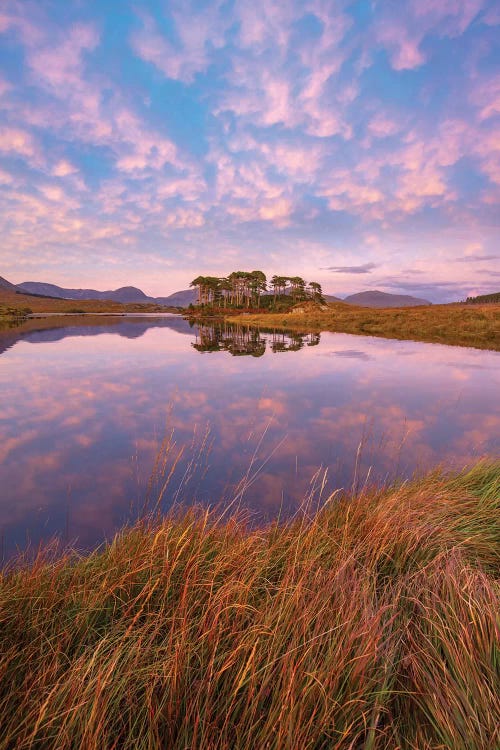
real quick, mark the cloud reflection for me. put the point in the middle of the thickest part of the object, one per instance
(85, 419)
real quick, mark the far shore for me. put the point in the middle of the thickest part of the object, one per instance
(42, 315)
(476, 326)
(32, 304)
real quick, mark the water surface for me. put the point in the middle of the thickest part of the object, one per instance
(94, 415)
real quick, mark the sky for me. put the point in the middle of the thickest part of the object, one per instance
(351, 142)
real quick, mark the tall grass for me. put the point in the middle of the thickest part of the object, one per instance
(372, 624)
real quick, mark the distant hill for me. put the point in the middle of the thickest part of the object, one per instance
(125, 294)
(384, 299)
(4, 284)
(183, 298)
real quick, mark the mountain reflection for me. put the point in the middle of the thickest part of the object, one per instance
(50, 329)
(242, 341)
(209, 336)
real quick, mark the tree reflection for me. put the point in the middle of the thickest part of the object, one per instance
(244, 341)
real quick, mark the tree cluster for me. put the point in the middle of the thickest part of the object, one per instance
(484, 299)
(245, 289)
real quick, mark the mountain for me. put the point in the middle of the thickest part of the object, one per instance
(384, 299)
(125, 294)
(4, 284)
(183, 298)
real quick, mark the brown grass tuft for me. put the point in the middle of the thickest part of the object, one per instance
(371, 625)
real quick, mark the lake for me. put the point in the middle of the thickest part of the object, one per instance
(101, 417)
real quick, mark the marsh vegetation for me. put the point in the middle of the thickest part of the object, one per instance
(459, 325)
(373, 624)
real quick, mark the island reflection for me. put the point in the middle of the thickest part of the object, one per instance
(242, 340)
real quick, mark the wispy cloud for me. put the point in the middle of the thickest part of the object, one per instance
(364, 268)
(187, 50)
(477, 258)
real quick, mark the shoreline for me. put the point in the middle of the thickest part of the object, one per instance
(476, 327)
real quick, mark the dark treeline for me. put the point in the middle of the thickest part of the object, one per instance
(483, 298)
(246, 289)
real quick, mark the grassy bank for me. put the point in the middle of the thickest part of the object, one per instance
(460, 325)
(10, 315)
(373, 625)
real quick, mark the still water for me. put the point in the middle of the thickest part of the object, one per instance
(95, 416)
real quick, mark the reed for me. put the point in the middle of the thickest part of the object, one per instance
(371, 624)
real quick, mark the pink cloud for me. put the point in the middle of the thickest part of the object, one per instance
(60, 66)
(487, 149)
(280, 95)
(417, 187)
(402, 29)
(345, 189)
(189, 188)
(485, 95)
(418, 165)
(63, 168)
(382, 126)
(183, 218)
(403, 48)
(259, 95)
(197, 31)
(277, 212)
(20, 142)
(15, 17)
(52, 192)
(5, 178)
(5, 86)
(451, 17)
(246, 181)
(152, 47)
(298, 162)
(324, 58)
(263, 24)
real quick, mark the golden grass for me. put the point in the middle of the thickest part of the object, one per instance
(476, 326)
(370, 626)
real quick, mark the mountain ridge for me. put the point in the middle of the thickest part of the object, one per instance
(185, 297)
(377, 298)
(4, 284)
(124, 294)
